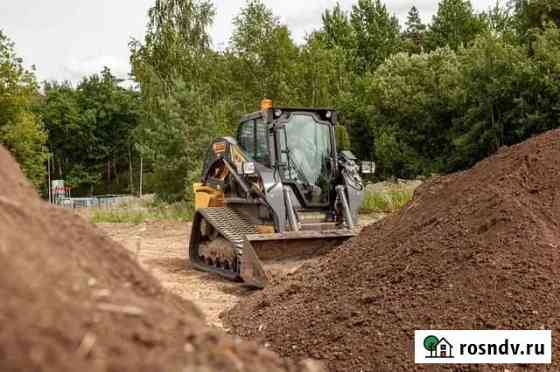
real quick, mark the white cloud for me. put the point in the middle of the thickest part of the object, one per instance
(75, 68)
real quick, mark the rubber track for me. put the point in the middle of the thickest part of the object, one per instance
(231, 225)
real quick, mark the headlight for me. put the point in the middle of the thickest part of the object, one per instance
(248, 168)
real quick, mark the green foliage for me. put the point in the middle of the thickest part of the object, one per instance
(210, 92)
(410, 112)
(430, 99)
(385, 202)
(176, 137)
(413, 37)
(325, 71)
(540, 12)
(342, 138)
(500, 21)
(443, 111)
(21, 130)
(337, 30)
(264, 48)
(455, 24)
(414, 24)
(25, 137)
(118, 216)
(181, 80)
(377, 34)
(176, 38)
(137, 214)
(492, 76)
(91, 133)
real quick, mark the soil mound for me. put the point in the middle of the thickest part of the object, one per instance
(73, 300)
(478, 249)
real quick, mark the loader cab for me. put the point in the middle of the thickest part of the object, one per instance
(306, 154)
(299, 146)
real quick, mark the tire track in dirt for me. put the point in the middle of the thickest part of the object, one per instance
(161, 248)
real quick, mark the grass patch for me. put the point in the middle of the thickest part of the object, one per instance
(385, 202)
(181, 211)
(118, 216)
(374, 202)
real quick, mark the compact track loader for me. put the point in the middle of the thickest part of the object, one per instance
(280, 189)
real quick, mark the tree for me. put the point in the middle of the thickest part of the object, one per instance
(466, 85)
(337, 30)
(176, 38)
(415, 29)
(177, 139)
(500, 20)
(322, 74)
(265, 55)
(377, 34)
(540, 12)
(21, 130)
(493, 76)
(409, 111)
(91, 132)
(174, 67)
(455, 24)
(61, 114)
(414, 24)
(25, 137)
(533, 15)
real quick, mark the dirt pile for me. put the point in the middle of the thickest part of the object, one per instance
(478, 249)
(73, 300)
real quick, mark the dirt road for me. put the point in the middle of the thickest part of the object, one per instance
(161, 248)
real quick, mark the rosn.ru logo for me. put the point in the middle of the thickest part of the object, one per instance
(438, 347)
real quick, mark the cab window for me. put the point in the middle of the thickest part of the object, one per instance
(261, 142)
(246, 137)
(253, 139)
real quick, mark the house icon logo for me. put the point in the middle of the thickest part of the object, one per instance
(438, 347)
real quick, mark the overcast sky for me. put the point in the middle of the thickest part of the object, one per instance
(67, 39)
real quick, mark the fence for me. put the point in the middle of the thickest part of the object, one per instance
(102, 201)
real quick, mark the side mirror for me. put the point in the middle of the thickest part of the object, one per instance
(367, 167)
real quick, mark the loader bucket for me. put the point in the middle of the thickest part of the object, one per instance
(259, 250)
(252, 271)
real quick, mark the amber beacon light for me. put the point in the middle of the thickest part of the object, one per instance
(266, 104)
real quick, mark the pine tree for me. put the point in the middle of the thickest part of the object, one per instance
(415, 29)
(414, 24)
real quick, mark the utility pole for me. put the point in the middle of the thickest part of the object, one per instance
(49, 172)
(141, 171)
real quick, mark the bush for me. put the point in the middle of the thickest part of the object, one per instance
(385, 202)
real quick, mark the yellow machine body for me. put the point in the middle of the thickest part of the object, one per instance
(207, 197)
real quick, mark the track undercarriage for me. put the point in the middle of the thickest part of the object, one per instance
(225, 243)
